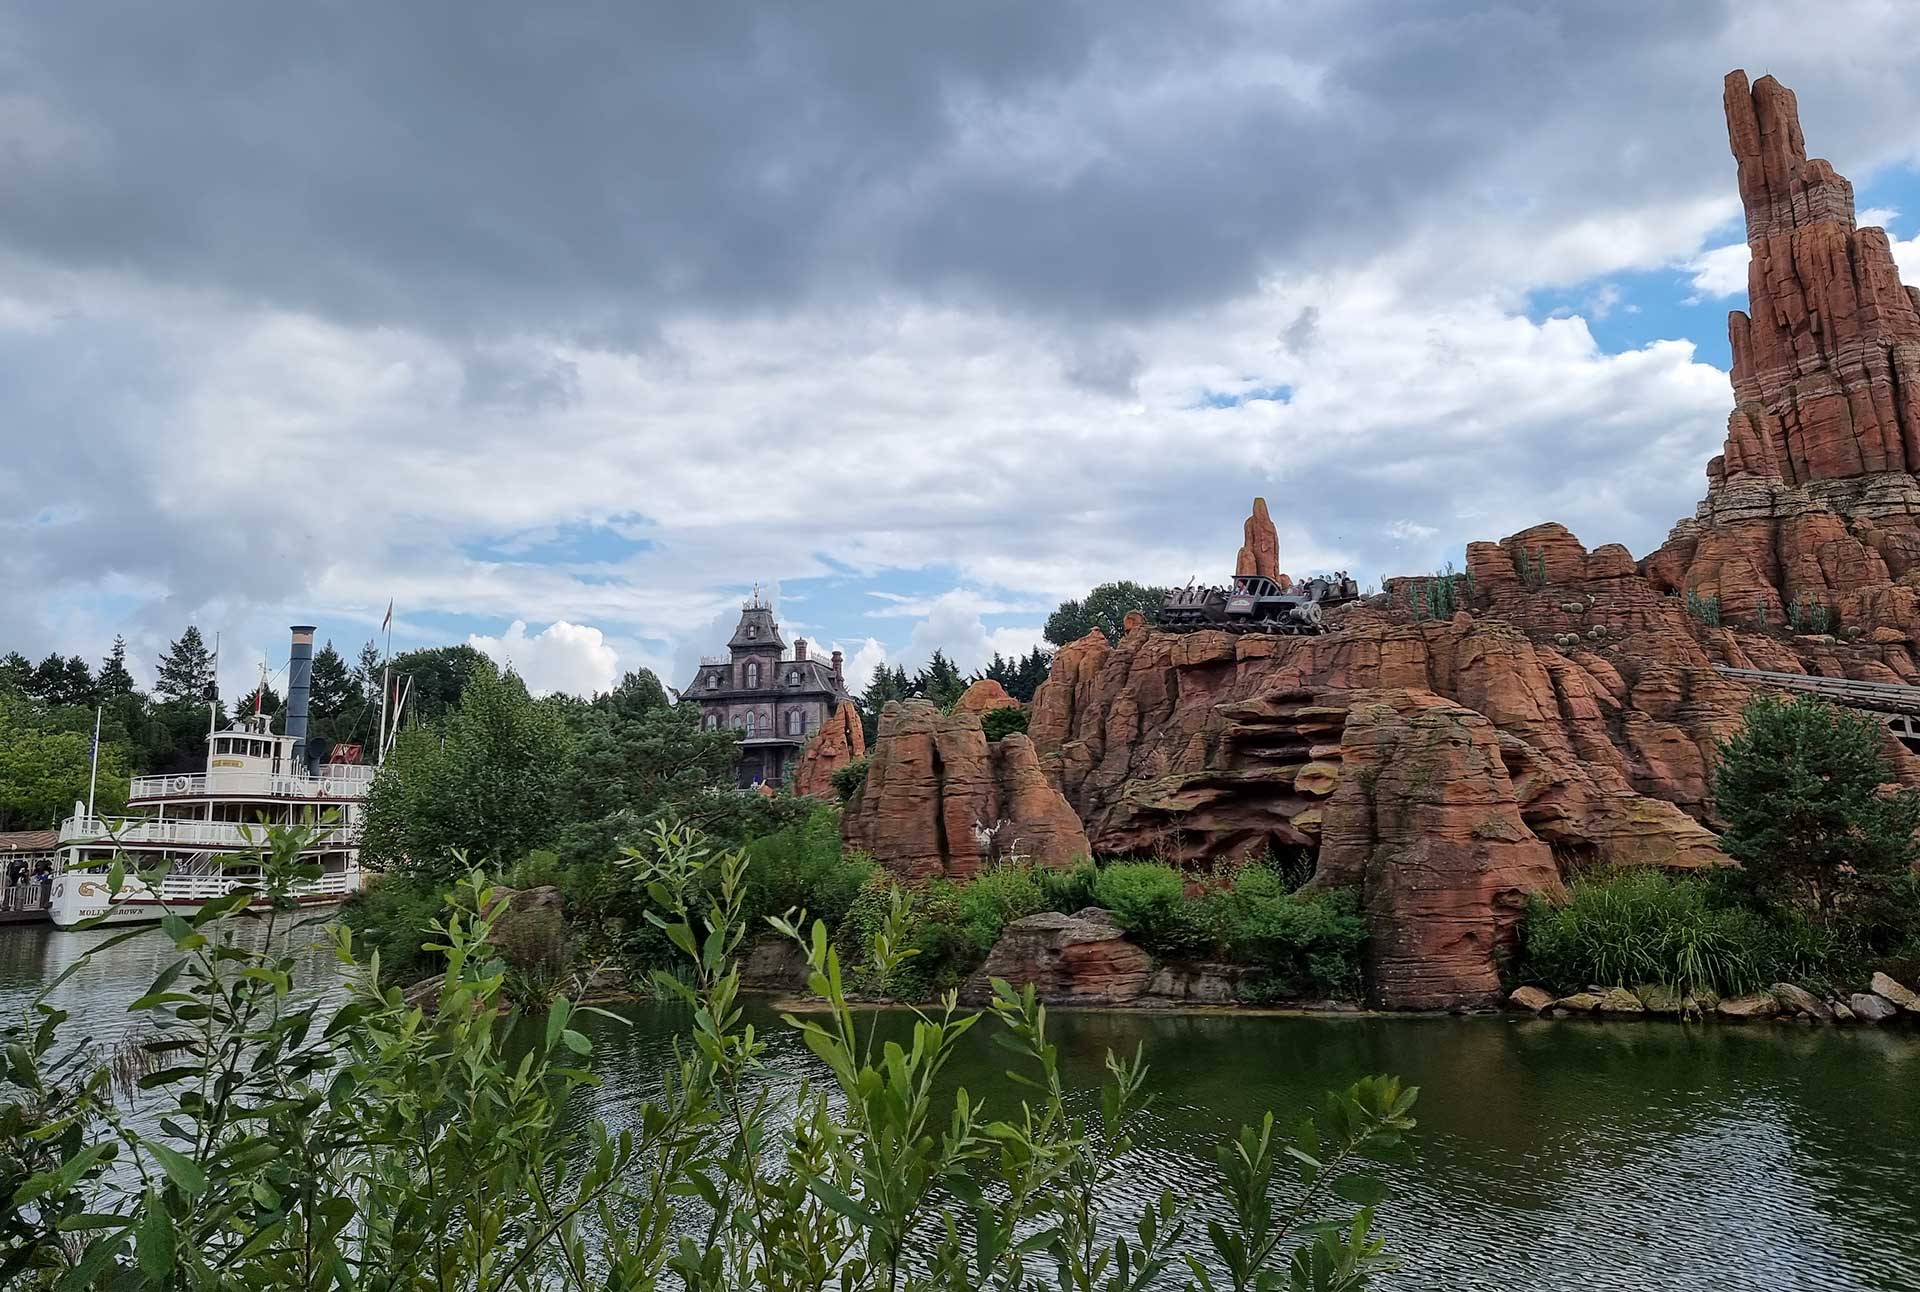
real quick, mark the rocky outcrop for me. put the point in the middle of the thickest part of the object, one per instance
(940, 800)
(1078, 959)
(838, 744)
(1260, 546)
(1426, 822)
(985, 695)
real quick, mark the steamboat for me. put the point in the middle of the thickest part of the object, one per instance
(206, 830)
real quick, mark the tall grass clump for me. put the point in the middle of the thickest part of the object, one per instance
(1645, 926)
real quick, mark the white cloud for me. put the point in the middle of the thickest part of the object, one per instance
(953, 625)
(1878, 217)
(571, 658)
(1719, 272)
(858, 667)
(1906, 255)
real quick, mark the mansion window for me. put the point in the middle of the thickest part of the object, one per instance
(713, 681)
(738, 722)
(796, 722)
(793, 677)
(753, 674)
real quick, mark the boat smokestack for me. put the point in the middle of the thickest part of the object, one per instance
(299, 684)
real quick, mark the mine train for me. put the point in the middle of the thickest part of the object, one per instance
(1256, 604)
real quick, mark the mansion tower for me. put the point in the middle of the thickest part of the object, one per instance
(776, 699)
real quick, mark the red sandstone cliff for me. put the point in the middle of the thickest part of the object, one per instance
(834, 746)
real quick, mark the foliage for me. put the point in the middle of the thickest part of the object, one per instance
(849, 779)
(802, 867)
(1003, 722)
(185, 670)
(372, 1144)
(1705, 609)
(635, 758)
(1809, 617)
(1067, 889)
(1149, 898)
(885, 684)
(995, 898)
(1438, 595)
(1532, 567)
(1104, 608)
(479, 783)
(394, 917)
(940, 681)
(1309, 942)
(1800, 786)
(1020, 677)
(437, 678)
(1644, 926)
(46, 762)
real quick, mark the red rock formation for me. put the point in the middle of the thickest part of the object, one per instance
(1079, 959)
(984, 695)
(1260, 552)
(833, 747)
(940, 800)
(1826, 362)
(1427, 822)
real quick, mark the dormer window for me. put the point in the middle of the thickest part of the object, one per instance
(713, 681)
(753, 631)
(753, 673)
(793, 677)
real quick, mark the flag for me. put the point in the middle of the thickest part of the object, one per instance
(388, 621)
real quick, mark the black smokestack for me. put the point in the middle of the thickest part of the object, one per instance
(299, 683)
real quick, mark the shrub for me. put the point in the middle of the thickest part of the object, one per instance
(395, 917)
(1641, 926)
(1069, 890)
(849, 779)
(1149, 898)
(1003, 722)
(804, 866)
(1310, 943)
(996, 898)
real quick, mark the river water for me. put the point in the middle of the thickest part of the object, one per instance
(1550, 1155)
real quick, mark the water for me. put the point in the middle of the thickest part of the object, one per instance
(1551, 1155)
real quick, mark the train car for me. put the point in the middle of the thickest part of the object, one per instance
(1253, 603)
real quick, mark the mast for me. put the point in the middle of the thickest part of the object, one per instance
(93, 771)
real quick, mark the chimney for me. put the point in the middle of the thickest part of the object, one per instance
(800, 650)
(838, 684)
(299, 684)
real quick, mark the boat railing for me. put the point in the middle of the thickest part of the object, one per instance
(334, 781)
(203, 834)
(204, 888)
(27, 895)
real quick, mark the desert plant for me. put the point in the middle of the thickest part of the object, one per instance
(1706, 609)
(1003, 722)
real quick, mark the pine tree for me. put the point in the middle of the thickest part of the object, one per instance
(334, 702)
(62, 681)
(16, 674)
(186, 670)
(885, 684)
(940, 681)
(114, 679)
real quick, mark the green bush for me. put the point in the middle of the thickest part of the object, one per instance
(1003, 722)
(996, 898)
(1646, 926)
(1068, 890)
(803, 866)
(1149, 898)
(848, 780)
(1310, 943)
(394, 917)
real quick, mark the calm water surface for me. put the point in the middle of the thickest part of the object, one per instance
(1551, 1155)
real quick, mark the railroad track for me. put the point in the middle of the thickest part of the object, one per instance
(1899, 705)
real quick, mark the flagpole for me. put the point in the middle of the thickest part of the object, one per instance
(93, 775)
(386, 688)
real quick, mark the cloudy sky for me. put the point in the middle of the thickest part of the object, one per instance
(561, 326)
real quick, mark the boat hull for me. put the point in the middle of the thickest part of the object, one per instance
(79, 897)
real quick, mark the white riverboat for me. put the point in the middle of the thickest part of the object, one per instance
(203, 827)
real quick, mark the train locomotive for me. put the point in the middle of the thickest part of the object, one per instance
(1256, 604)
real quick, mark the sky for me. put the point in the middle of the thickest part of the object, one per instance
(561, 328)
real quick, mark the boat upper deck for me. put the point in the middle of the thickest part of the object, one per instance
(329, 781)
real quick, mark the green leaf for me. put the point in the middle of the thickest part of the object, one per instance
(576, 1042)
(831, 1195)
(181, 1169)
(1361, 1190)
(153, 1239)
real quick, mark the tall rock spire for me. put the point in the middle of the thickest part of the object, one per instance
(1826, 360)
(1260, 548)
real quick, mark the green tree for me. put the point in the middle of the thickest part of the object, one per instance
(186, 670)
(114, 679)
(885, 684)
(16, 674)
(1021, 676)
(63, 680)
(635, 696)
(481, 781)
(1104, 608)
(940, 681)
(1803, 788)
(635, 763)
(438, 677)
(44, 768)
(337, 708)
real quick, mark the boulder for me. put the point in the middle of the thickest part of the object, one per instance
(939, 800)
(1746, 1008)
(1798, 1000)
(774, 964)
(1069, 961)
(1890, 988)
(1581, 1002)
(1198, 982)
(1533, 999)
(1658, 998)
(1618, 1000)
(1871, 1007)
(984, 695)
(839, 743)
(1841, 1012)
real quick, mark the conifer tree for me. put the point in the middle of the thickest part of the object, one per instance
(114, 679)
(186, 669)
